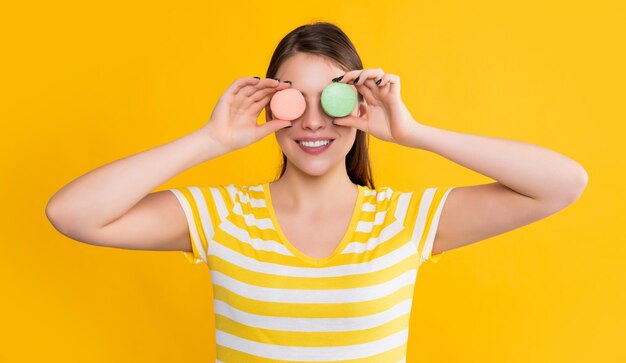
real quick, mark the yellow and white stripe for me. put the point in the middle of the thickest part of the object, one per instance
(274, 304)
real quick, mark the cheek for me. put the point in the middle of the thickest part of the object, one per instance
(349, 138)
(283, 140)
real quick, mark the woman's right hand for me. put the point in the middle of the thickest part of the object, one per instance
(233, 120)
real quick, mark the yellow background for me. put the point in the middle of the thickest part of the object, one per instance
(84, 84)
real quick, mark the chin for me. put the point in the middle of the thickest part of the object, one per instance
(314, 167)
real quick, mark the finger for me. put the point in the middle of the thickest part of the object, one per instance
(348, 76)
(242, 82)
(370, 92)
(389, 79)
(352, 121)
(271, 126)
(384, 85)
(263, 83)
(258, 105)
(261, 94)
(368, 74)
(394, 82)
(358, 74)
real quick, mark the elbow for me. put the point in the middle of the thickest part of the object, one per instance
(70, 224)
(55, 215)
(581, 183)
(578, 184)
(569, 190)
(53, 210)
(52, 213)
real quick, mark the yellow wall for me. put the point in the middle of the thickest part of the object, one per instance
(85, 84)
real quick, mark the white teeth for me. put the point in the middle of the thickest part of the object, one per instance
(314, 143)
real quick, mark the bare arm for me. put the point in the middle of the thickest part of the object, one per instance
(102, 195)
(532, 183)
(113, 204)
(527, 169)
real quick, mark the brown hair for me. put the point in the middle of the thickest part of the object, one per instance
(328, 40)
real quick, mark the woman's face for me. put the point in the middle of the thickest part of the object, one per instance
(309, 74)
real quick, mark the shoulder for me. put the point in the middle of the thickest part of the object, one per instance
(382, 197)
(387, 196)
(233, 192)
(219, 194)
(382, 191)
(244, 193)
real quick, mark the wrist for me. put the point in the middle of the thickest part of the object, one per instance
(417, 136)
(208, 147)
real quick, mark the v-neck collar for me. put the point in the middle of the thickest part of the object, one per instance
(306, 258)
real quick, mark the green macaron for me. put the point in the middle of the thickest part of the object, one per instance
(338, 99)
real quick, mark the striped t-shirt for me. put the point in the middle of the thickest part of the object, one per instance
(274, 303)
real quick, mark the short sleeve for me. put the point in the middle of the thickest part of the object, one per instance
(425, 210)
(202, 211)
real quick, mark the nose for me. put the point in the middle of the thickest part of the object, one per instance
(314, 116)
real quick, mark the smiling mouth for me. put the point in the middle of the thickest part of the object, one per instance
(315, 148)
(314, 144)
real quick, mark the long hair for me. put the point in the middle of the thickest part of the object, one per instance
(328, 40)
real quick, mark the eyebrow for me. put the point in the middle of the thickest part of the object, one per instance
(303, 93)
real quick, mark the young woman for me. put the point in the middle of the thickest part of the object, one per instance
(319, 264)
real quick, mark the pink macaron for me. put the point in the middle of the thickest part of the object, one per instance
(288, 104)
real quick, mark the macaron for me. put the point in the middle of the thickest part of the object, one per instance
(288, 104)
(338, 99)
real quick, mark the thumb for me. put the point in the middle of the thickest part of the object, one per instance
(349, 121)
(273, 126)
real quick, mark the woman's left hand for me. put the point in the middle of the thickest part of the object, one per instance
(387, 118)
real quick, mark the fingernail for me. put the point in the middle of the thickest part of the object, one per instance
(276, 79)
(337, 79)
(287, 82)
(356, 80)
(378, 82)
(257, 77)
(286, 127)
